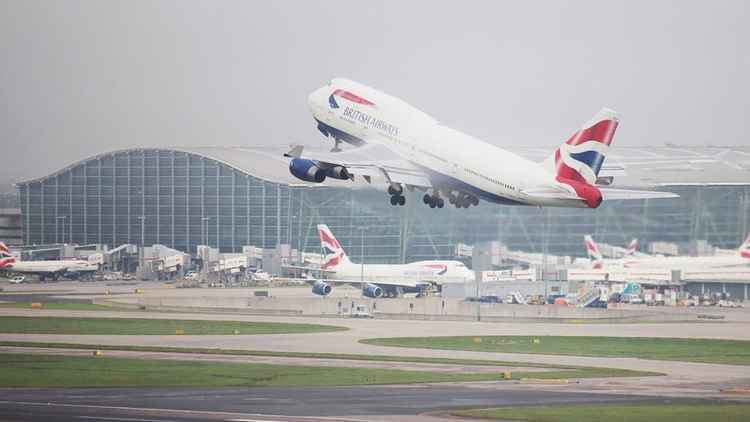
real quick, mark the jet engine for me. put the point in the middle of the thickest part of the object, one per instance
(338, 172)
(371, 290)
(306, 170)
(321, 288)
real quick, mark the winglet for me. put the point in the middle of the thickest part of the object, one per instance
(295, 152)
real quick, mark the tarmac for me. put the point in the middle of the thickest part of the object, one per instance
(423, 403)
(682, 380)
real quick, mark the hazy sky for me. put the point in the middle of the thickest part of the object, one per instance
(79, 78)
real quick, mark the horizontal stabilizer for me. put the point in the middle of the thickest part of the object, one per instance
(615, 194)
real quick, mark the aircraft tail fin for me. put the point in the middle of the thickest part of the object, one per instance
(5, 256)
(333, 253)
(581, 157)
(592, 249)
(745, 247)
(632, 248)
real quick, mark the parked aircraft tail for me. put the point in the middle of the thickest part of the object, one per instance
(333, 254)
(632, 248)
(592, 249)
(5, 257)
(745, 247)
(581, 157)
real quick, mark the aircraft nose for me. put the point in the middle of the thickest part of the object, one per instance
(314, 100)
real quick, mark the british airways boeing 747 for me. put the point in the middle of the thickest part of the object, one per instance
(411, 150)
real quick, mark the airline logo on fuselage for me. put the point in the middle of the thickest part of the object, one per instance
(355, 116)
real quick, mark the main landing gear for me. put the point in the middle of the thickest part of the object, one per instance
(397, 195)
(463, 201)
(434, 200)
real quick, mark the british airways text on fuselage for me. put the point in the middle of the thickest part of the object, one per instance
(355, 116)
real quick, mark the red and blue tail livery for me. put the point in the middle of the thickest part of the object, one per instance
(333, 253)
(581, 157)
(5, 256)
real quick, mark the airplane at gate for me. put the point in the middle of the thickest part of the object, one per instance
(742, 258)
(45, 269)
(410, 150)
(387, 280)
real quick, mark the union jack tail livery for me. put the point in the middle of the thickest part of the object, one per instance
(592, 249)
(5, 257)
(632, 247)
(581, 157)
(333, 253)
(745, 247)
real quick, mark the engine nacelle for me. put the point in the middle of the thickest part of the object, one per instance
(371, 290)
(338, 172)
(321, 288)
(306, 170)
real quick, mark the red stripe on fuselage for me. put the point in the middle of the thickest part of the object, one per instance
(352, 97)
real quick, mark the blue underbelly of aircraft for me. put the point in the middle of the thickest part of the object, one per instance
(329, 130)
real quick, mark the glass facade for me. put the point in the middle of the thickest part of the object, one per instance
(182, 199)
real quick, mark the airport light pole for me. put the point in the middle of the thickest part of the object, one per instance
(362, 231)
(58, 218)
(141, 255)
(143, 228)
(204, 229)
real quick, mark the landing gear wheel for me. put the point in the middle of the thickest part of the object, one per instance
(440, 203)
(432, 204)
(426, 199)
(401, 200)
(394, 200)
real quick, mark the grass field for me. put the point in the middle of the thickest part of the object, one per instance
(31, 370)
(732, 352)
(555, 371)
(142, 326)
(616, 413)
(62, 305)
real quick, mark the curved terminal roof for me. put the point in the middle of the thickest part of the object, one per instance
(638, 166)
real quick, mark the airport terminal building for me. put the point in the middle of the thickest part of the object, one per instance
(228, 197)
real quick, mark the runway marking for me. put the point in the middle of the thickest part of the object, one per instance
(191, 412)
(251, 420)
(106, 418)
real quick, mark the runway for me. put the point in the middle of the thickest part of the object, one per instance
(269, 404)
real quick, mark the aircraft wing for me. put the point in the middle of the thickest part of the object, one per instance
(608, 194)
(370, 161)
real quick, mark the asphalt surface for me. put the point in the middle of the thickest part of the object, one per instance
(370, 403)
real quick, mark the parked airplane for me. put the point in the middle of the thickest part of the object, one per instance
(742, 258)
(45, 269)
(376, 280)
(411, 150)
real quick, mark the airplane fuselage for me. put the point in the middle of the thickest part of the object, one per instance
(453, 160)
(436, 272)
